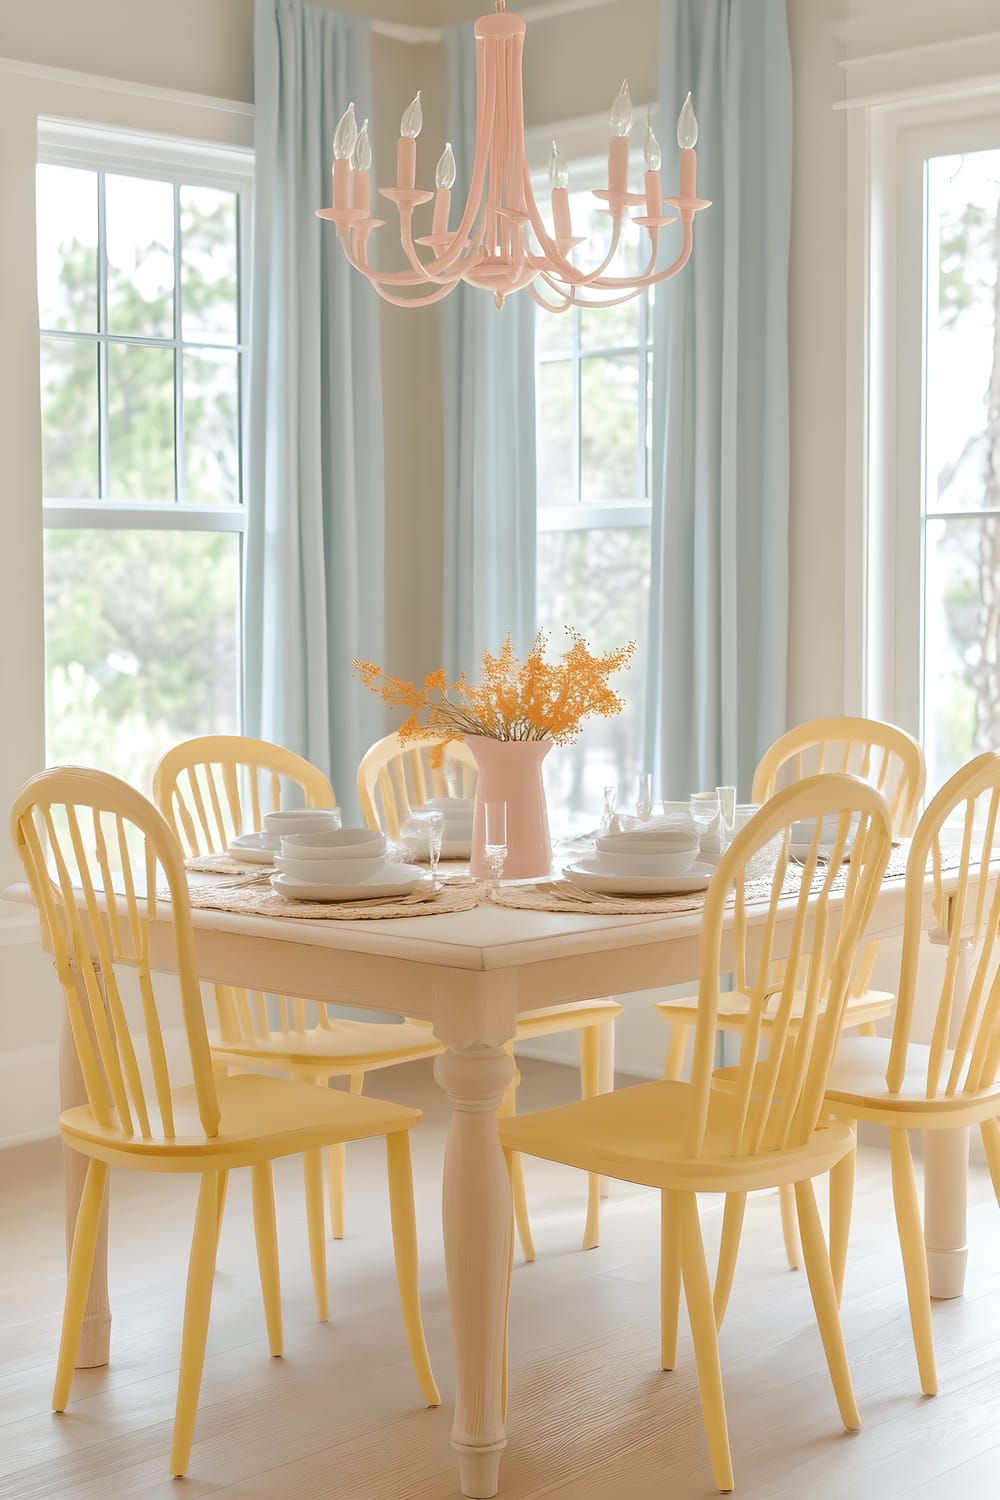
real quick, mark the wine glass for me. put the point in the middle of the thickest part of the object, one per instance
(644, 796)
(727, 809)
(610, 803)
(703, 808)
(496, 839)
(434, 824)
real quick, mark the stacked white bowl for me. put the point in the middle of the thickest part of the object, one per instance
(657, 851)
(339, 864)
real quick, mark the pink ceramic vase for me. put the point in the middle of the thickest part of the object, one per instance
(511, 771)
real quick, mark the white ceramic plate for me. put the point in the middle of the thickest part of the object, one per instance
(587, 874)
(399, 882)
(255, 848)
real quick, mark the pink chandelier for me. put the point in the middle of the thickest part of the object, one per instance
(501, 242)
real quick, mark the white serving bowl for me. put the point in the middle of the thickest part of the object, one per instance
(334, 843)
(301, 820)
(652, 841)
(330, 871)
(656, 862)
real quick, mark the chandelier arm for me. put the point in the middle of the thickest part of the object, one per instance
(557, 261)
(567, 302)
(379, 283)
(614, 283)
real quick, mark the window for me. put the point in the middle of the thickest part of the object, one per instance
(593, 376)
(945, 526)
(140, 244)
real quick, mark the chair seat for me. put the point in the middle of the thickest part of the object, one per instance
(734, 1008)
(262, 1118)
(639, 1135)
(569, 1017)
(857, 1081)
(342, 1046)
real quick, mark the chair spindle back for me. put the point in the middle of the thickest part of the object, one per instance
(395, 779)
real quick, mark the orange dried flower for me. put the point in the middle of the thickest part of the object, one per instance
(531, 700)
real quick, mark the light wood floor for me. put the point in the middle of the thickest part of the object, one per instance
(591, 1414)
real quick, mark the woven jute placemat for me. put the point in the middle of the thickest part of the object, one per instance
(259, 900)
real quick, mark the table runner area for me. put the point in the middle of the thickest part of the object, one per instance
(259, 900)
(561, 895)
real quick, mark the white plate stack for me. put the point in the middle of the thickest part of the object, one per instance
(260, 848)
(456, 836)
(647, 861)
(339, 864)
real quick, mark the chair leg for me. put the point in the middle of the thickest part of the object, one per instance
(221, 1204)
(337, 1168)
(590, 1083)
(81, 1261)
(404, 1244)
(911, 1243)
(841, 1207)
(698, 1294)
(197, 1305)
(732, 1228)
(790, 1227)
(266, 1234)
(990, 1130)
(824, 1298)
(676, 1050)
(522, 1220)
(312, 1166)
(670, 1280)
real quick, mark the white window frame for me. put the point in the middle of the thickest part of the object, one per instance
(584, 143)
(898, 105)
(97, 148)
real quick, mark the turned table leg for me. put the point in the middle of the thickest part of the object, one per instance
(606, 1080)
(478, 1244)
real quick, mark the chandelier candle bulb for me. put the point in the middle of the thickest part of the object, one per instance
(406, 155)
(345, 138)
(687, 139)
(444, 181)
(361, 162)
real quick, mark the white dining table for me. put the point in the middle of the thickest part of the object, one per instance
(470, 974)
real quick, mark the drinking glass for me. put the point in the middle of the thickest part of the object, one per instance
(727, 808)
(704, 809)
(434, 824)
(496, 839)
(644, 796)
(610, 803)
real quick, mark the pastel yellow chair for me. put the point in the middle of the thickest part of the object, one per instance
(951, 1081)
(210, 789)
(395, 779)
(72, 828)
(889, 759)
(771, 1127)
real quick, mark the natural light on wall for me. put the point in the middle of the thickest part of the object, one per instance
(593, 377)
(141, 356)
(961, 542)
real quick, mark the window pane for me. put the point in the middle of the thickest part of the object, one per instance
(609, 429)
(209, 307)
(964, 246)
(596, 580)
(66, 216)
(141, 422)
(141, 645)
(556, 434)
(69, 419)
(961, 642)
(211, 428)
(140, 233)
(554, 331)
(610, 327)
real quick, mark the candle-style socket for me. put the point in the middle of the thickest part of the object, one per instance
(442, 208)
(406, 163)
(560, 213)
(343, 191)
(689, 173)
(654, 195)
(618, 165)
(362, 193)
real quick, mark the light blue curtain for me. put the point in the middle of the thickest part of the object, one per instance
(719, 598)
(315, 574)
(488, 398)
